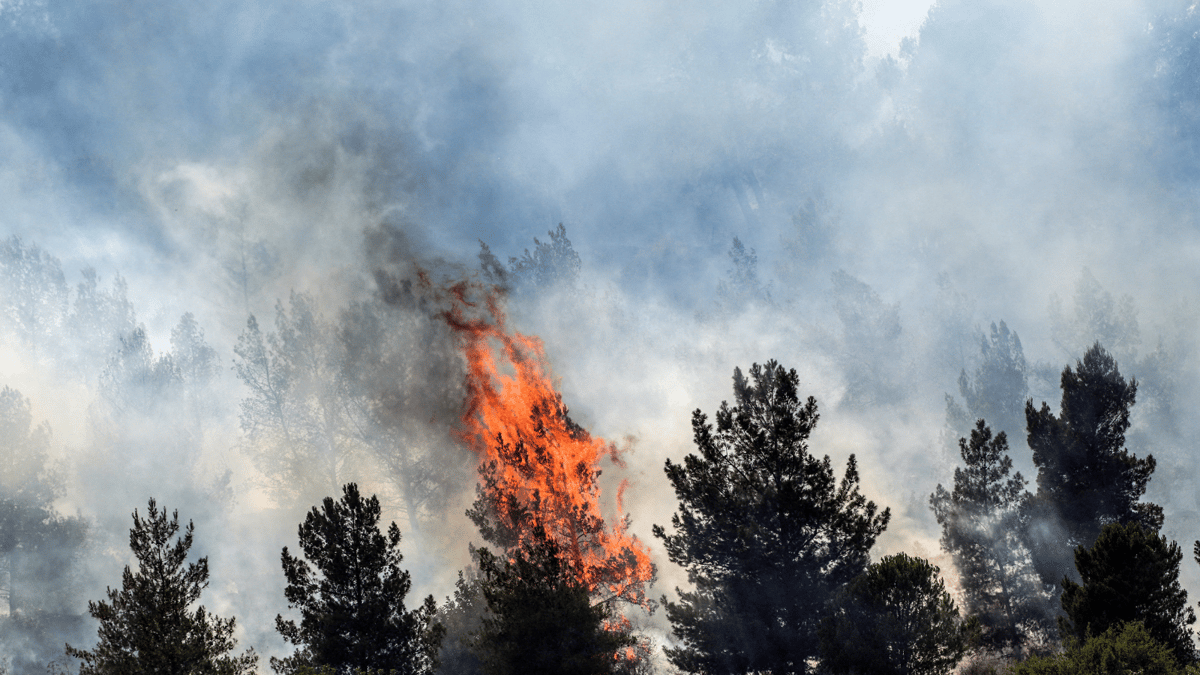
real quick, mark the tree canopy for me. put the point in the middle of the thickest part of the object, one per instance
(982, 530)
(40, 549)
(541, 619)
(765, 531)
(1122, 649)
(1130, 574)
(148, 627)
(1086, 477)
(352, 612)
(998, 389)
(895, 619)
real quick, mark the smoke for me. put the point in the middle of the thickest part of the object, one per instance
(1008, 161)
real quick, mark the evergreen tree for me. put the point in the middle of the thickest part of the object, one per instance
(33, 295)
(895, 619)
(999, 388)
(741, 288)
(766, 532)
(296, 416)
(462, 616)
(871, 346)
(40, 549)
(1130, 574)
(982, 530)
(97, 322)
(403, 375)
(529, 487)
(352, 611)
(552, 263)
(196, 360)
(541, 619)
(147, 627)
(1086, 477)
(1097, 317)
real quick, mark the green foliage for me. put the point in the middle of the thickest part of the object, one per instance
(895, 618)
(1121, 650)
(541, 619)
(982, 530)
(1130, 574)
(352, 606)
(147, 628)
(766, 532)
(330, 670)
(1086, 477)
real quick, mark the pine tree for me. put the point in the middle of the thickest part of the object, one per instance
(40, 549)
(1130, 574)
(999, 388)
(741, 288)
(296, 414)
(766, 532)
(147, 627)
(552, 263)
(871, 345)
(1086, 477)
(982, 530)
(541, 618)
(895, 619)
(352, 611)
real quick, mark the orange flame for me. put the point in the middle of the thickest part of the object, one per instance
(540, 468)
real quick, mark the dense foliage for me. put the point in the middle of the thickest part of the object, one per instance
(1120, 650)
(541, 618)
(1130, 574)
(148, 627)
(775, 546)
(351, 605)
(765, 531)
(1086, 477)
(895, 619)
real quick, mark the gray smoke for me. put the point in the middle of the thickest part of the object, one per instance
(737, 182)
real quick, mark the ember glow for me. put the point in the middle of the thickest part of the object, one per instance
(539, 468)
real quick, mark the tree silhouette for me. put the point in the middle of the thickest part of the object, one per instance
(1086, 477)
(895, 619)
(982, 529)
(1130, 574)
(351, 606)
(147, 627)
(541, 620)
(766, 532)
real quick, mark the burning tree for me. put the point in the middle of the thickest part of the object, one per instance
(539, 468)
(541, 618)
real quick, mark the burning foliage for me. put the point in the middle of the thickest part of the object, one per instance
(539, 469)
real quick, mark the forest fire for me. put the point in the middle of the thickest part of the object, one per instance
(539, 469)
